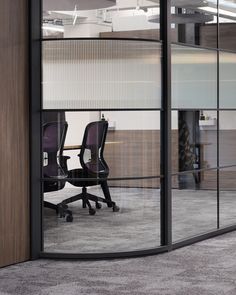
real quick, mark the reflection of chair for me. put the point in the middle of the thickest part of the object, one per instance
(55, 165)
(94, 169)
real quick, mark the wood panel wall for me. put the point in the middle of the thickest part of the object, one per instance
(136, 153)
(14, 139)
(152, 34)
(227, 31)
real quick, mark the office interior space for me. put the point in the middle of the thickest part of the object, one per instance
(132, 125)
(103, 61)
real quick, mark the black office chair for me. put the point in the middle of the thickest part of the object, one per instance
(55, 164)
(94, 169)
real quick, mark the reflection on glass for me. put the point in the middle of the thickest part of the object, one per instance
(194, 142)
(227, 85)
(101, 74)
(194, 209)
(101, 19)
(227, 185)
(194, 78)
(193, 22)
(227, 138)
(227, 27)
(81, 150)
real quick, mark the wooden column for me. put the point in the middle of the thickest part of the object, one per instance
(14, 132)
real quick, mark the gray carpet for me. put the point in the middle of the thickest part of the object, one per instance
(137, 225)
(206, 268)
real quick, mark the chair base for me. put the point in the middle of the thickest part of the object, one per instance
(87, 197)
(61, 210)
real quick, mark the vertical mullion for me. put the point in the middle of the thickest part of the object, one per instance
(218, 118)
(35, 127)
(166, 202)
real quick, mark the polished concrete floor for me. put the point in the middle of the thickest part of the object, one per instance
(205, 268)
(137, 225)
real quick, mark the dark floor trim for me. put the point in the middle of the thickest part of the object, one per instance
(136, 254)
(205, 236)
(102, 256)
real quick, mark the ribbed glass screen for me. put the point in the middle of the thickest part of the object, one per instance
(101, 74)
(194, 77)
(227, 65)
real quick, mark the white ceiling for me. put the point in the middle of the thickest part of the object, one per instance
(102, 11)
(49, 5)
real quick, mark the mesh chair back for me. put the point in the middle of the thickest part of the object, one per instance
(91, 156)
(54, 134)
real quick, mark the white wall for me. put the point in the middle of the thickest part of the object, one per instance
(227, 119)
(85, 30)
(130, 23)
(77, 122)
(138, 120)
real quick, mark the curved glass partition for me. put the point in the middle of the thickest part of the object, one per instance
(132, 155)
(87, 84)
(101, 74)
(137, 127)
(194, 77)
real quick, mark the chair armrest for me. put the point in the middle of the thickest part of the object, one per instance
(63, 162)
(65, 158)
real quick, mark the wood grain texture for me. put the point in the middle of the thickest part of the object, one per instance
(14, 135)
(227, 40)
(152, 34)
(136, 155)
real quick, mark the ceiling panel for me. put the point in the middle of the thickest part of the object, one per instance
(49, 5)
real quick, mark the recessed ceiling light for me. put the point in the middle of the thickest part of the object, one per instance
(53, 28)
(221, 11)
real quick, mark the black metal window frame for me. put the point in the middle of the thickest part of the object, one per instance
(35, 77)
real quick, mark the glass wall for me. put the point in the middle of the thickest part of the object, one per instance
(203, 83)
(227, 157)
(132, 156)
(194, 140)
(101, 109)
(104, 134)
(194, 181)
(194, 78)
(101, 74)
(227, 75)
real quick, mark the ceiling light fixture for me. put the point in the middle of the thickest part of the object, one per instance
(221, 11)
(76, 15)
(53, 28)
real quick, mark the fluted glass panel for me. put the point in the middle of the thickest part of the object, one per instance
(101, 74)
(194, 78)
(227, 80)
